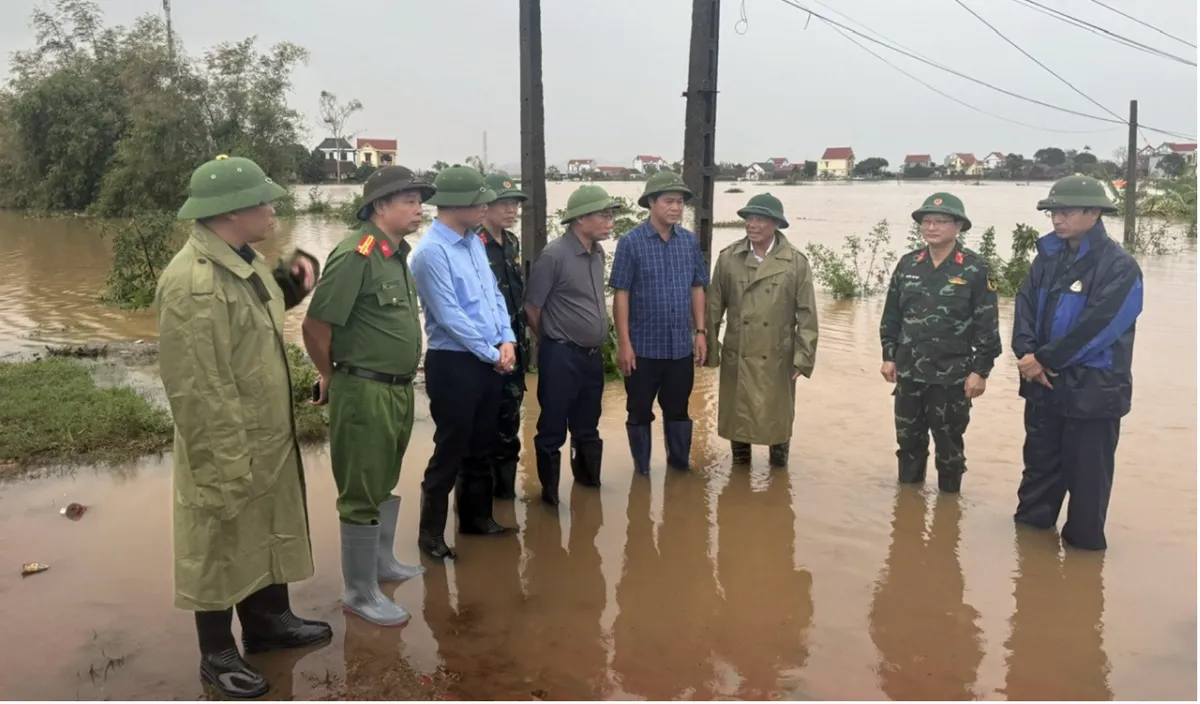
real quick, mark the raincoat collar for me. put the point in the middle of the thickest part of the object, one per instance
(218, 250)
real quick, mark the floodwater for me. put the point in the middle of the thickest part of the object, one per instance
(821, 581)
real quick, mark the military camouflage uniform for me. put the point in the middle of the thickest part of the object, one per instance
(939, 325)
(506, 265)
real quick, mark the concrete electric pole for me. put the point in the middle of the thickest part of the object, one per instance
(700, 124)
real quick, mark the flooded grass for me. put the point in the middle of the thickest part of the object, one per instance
(52, 410)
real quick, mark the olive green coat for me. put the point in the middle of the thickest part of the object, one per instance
(771, 312)
(240, 518)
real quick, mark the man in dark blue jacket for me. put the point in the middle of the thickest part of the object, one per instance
(1073, 337)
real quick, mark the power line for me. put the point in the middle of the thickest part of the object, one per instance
(1096, 29)
(923, 60)
(1144, 24)
(1014, 45)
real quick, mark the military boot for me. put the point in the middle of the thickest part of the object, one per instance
(585, 461)
(950, 482)
(474, 502)
(389, 569)
(741, 452)
(779, 454)
(679, 443)
(269, 624)
(360, 573)
(639, 447)
(912, 470)
(504, 475)
(431, 535)
(549, 470)
(221, 665)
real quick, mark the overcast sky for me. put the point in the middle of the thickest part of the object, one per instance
(436, 74)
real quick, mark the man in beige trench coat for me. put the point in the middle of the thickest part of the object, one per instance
(763, 285)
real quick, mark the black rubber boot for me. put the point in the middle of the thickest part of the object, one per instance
(950, 482)
(679, 443)
(779, 454)
(639, 447)
(505, 480)
(912, 472)
(431, 536)
(549, 469)
(269, 624)
(741, 452)
(221, 665)
(474, 502)
(585, 461)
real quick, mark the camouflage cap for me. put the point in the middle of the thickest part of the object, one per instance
(1077, 192)
(766, 205)
(944, 204)
(226, 184)
(587, 200)
(664, 182)
(504, 187)
(461, 187)
(388, 181)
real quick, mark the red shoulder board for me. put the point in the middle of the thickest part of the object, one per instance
(921, 256)
(366, 245)
(483, 237)
(385, 248)
(958, 257)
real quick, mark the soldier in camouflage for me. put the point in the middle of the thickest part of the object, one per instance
(941, 336)
(504, 255)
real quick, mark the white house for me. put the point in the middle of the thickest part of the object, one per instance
(338, 150)
(641, 161)
(759, 170)
(1151, 157)
(993, 161)
(577, 167)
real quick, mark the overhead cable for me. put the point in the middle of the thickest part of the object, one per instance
(1144, 24)
(1096, 29)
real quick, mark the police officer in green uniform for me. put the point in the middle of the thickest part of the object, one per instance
(363, 333)
(504, 255)
(941, 336)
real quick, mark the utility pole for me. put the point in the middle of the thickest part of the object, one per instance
(700, 123)
(533, 135)
(485, 166)
(170, 34)
(1131, 169)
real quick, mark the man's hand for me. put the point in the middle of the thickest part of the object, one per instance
(324, 383)
(304, 269)
(975, 385)
(508, 358)
(888, 370)
(795, 374)
(700, 349)
(1032, 370)
(626, 360)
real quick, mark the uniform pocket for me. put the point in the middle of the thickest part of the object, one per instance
(392, 293)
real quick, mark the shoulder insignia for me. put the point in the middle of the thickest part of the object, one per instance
(958, 258)
(991, 286)
(957, 280)
(385, 248)
(921, 256)
(483, 238)
(366, 245)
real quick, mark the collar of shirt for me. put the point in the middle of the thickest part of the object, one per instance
(443, 233)
(577, 246)
(649, 231)
(370, 228)
(774, 239)
(485, 236)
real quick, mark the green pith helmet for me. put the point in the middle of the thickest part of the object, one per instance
(389, 180)
(945, 204)
(1077, 192)
(664, 182)
(587, 200)
(504, 187)
(226, 184)
(766, 205)
(461, 187)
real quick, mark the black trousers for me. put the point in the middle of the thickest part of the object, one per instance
(570, 391)
(1063, 456)
(464, 400)
(668, 380)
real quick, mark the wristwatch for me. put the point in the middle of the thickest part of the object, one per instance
(700, 331)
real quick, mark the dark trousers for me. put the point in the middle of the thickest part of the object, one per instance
(668, 380)
(1068, 455)
(921, 410)
(570, 390)
(507, 450)
(464, 401)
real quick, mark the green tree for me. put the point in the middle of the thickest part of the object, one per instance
(1050, 156)
(810, 169)
(1172, 165)
(871, 166)
(313, 168)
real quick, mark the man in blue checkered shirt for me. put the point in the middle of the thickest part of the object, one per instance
(659, 276)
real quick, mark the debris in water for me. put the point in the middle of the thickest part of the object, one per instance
(73, 510)
(33, 568)
(540, 694)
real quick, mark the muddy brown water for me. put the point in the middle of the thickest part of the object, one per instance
(821, 581)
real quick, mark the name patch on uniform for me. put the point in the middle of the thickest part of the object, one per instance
(913, 277)
(1077, 287)
(991, 286)
(956, 280)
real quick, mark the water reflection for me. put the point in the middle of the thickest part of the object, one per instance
(1056, 646)
(927, 636)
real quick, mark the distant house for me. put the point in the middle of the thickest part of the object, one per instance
(759, 171)
(612, 171)
(912, 160)
(964, 164)
(994, 161)
(338, 150)
(836, 162)
(578, 167)
(1151, 157)
(641, 161)
(779, 161)
(787, 170)
(376, 152)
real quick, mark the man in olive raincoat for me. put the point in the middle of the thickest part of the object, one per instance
(763, 286)
(240, 519)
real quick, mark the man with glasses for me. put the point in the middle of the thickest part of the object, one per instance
(471, 350)
(504, 255)
(941, 335)
(1073, 335)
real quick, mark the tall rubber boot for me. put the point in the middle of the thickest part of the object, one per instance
(389, 569)
(679, 443)
(268, 623)
(549, 469)
(474, 499)
(741, 452)
(912, 471)
(585, 462)
(779, 454)
(505, 479)
(360, 572)
(639, 447)
(950, 481)
(221, 665)
(431, 537)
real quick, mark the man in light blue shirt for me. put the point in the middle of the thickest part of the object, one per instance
(470, 350)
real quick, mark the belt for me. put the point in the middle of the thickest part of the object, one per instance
(564, 343)
(392, 379)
